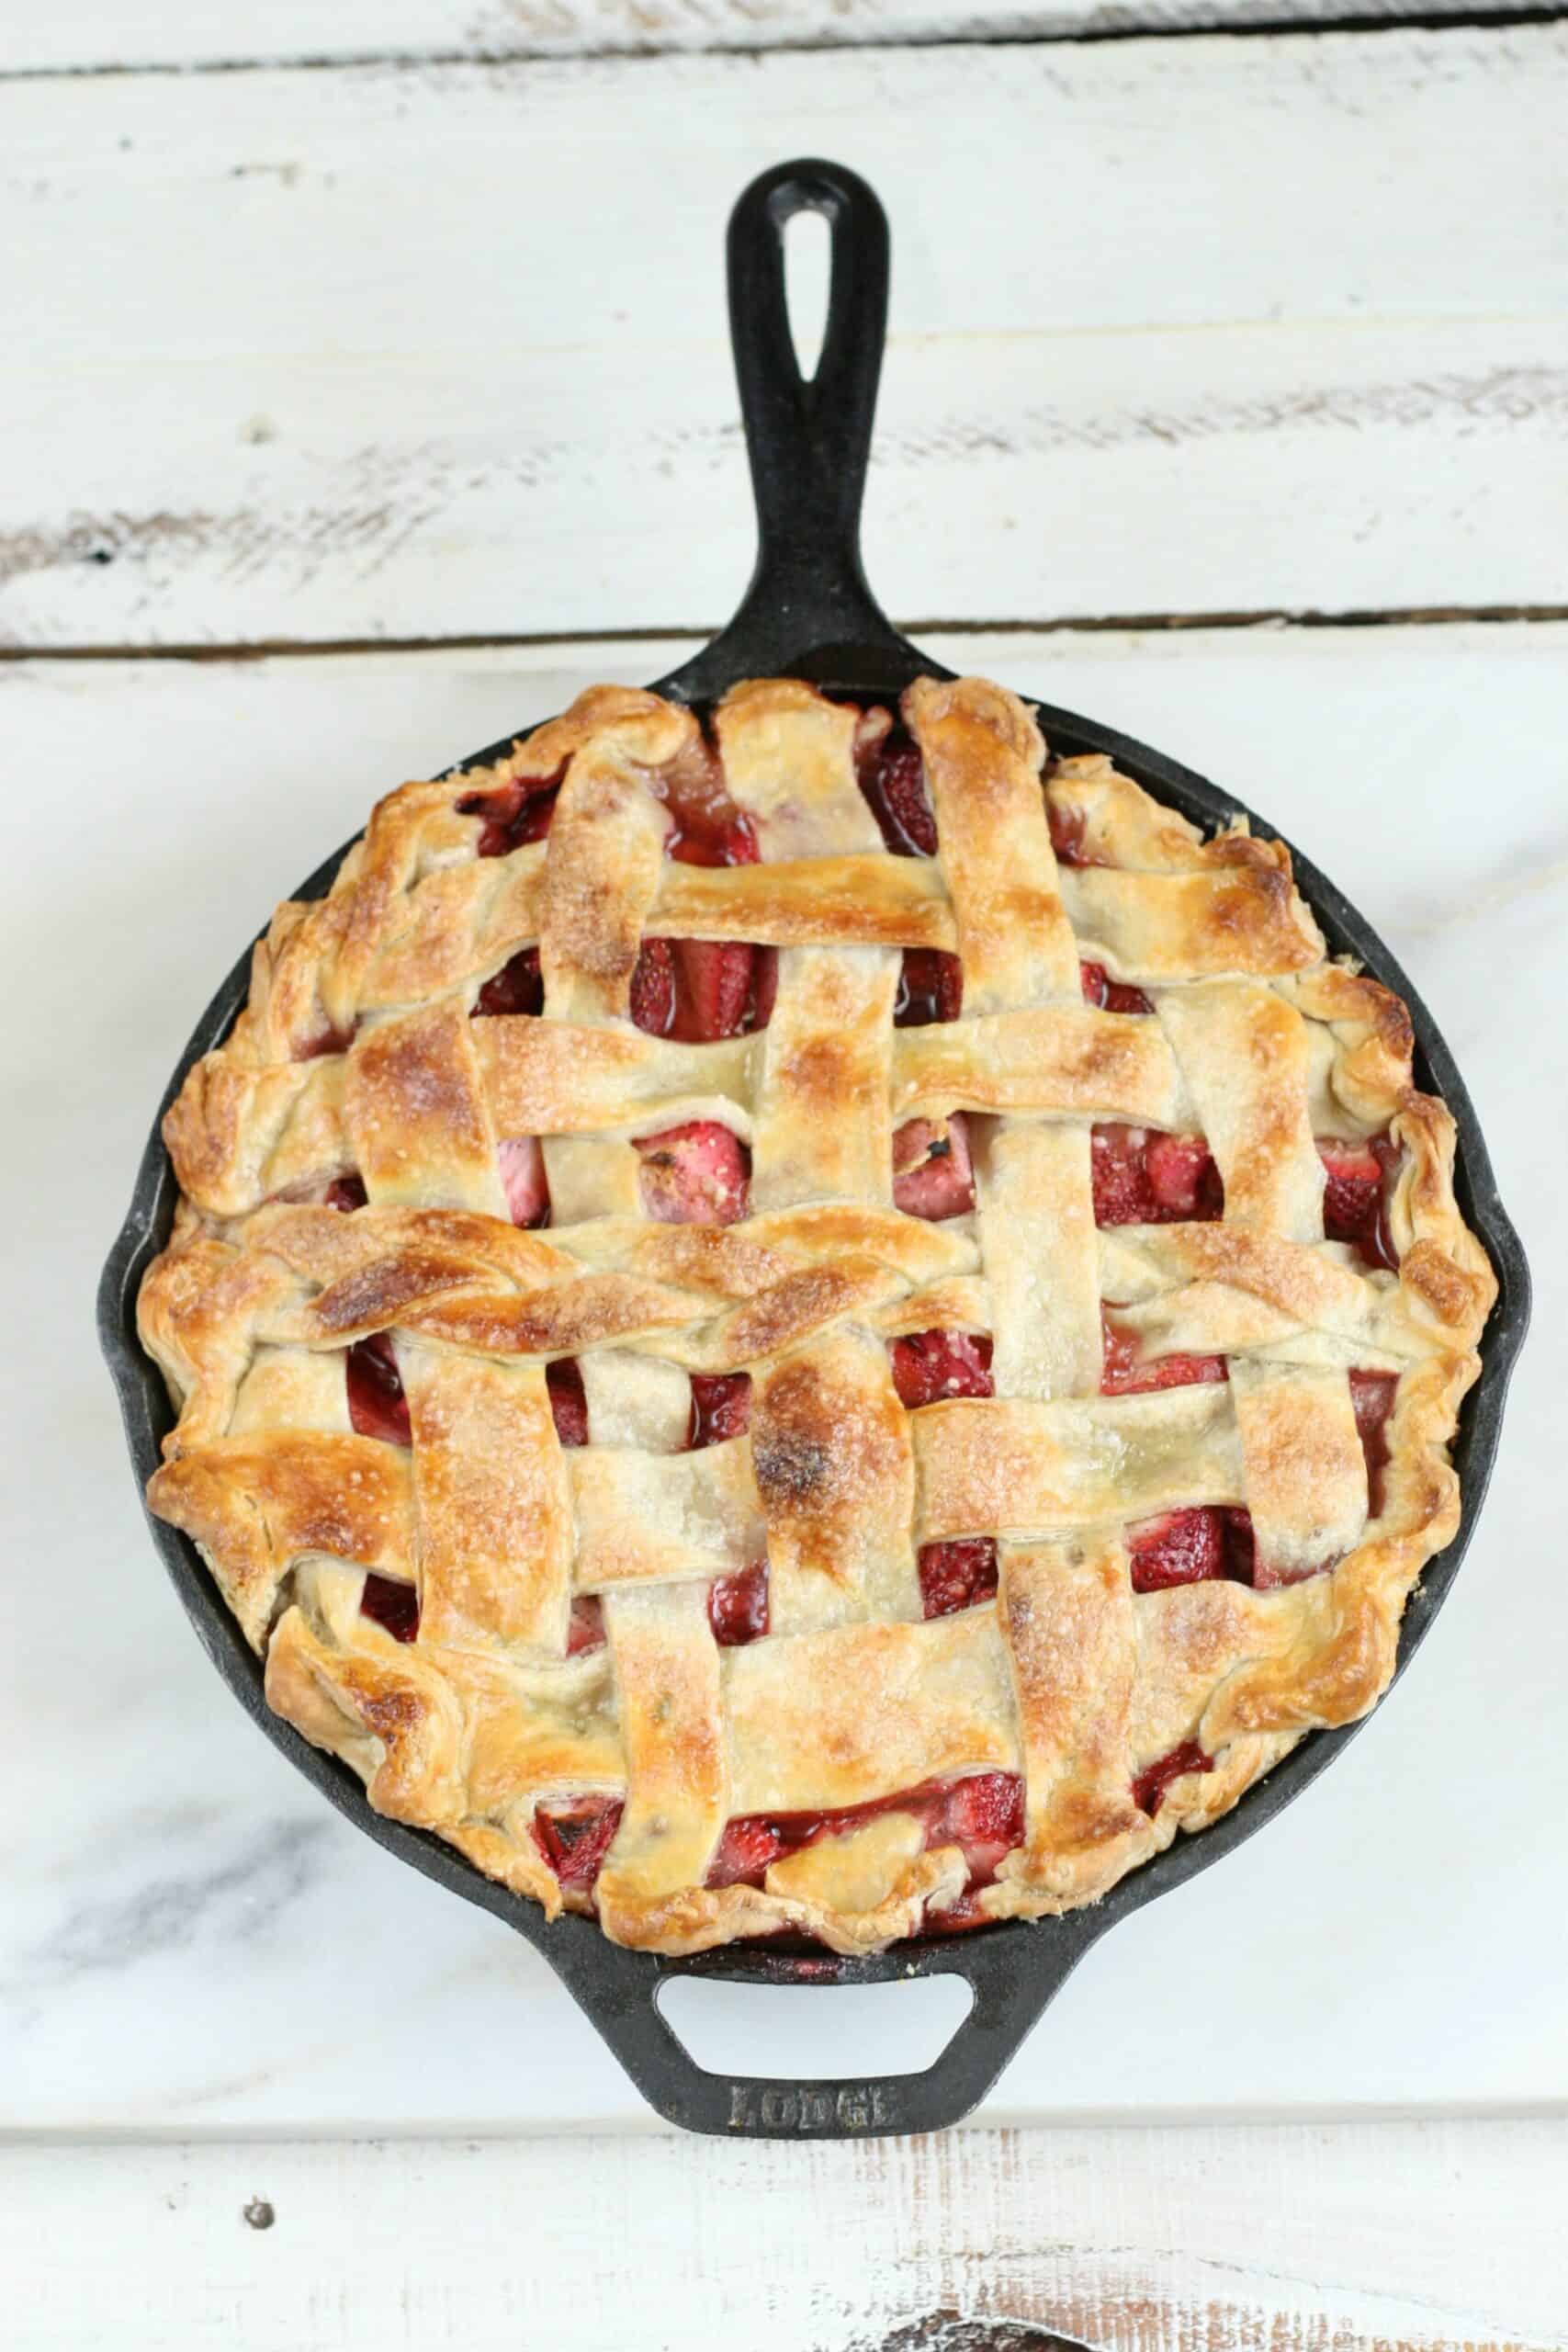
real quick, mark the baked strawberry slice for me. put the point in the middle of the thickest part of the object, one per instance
(933, 1174)
(1111, 996)
(695, 1174)
(1183, 1179)
(715, 981)
(569, 1402)
(377, 1406)
(1068, 826)
(1124, 1372)
(575, 1837)
(721, 1407)
(764, 990)
(957, 1575)
(1178, 1548)
(745, 1848)
(520, 811)
(523, 1181)
(738, 1606)
(1151, 1783)
(392, 1605)
(930, 988)
(892, 777)
(930, 1364)
(345, 1192)
(984, 1813)
(585, 1628)
(518, 986)
(653, 987)
(1355, 1197)
(707, 827)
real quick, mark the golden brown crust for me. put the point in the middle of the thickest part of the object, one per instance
(357, 1055)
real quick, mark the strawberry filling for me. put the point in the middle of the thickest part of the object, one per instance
(1067, 828)
(585, 1628)
(345, 1192)
(1151, 1783)
(892, 777)
(568, 1403)
(933, 1174)
(1126, 1374)
(393, 1606)
(523, 1181)
(517, 812)
(1141, 1177)
(1371, 1399)
(956, 1576)
(1355, 1197)
(325, 1041)
(932, 1364)
(1111, 996)
(518, 986)
(930, 988)
(738, 1606)
(983, 1814)
(721, 1407)
(695, 1174)
(377, 1406)
(574, 1837)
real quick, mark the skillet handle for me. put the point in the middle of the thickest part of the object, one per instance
(808, 604)
(1011, 1984)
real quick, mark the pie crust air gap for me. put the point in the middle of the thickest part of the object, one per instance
(801, 1315)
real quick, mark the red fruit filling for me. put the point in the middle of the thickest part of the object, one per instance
(377, 1406)
(523, 1181)
(392, 1605)
(710, 829)
(1372, 1397)
(569, 1405)
(956, 1576)
(575, 1837)
(327, 1041)
(933, 1174)
(518, 986)
(982, 1813)
(345, 1192)
(738, 1606)
(585, 1628)
(518, 812)
(1151, 1783)
(653, 987)
(930, 988)
(930, 1364)
(1111, 996)
(1191, 1547)
(695, 1174)
(1067, 828)
(713, 987)
(1355, 1197)
(892, 777)
(1124, 1374)
(1141, 1177)
(721, 1407)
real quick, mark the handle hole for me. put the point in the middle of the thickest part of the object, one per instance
(815, 2032)
(808, 271)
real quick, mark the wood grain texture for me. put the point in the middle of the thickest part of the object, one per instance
(439, 350)
(1367, 2238)
(95, 35)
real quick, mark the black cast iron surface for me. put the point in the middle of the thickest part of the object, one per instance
(808, 613)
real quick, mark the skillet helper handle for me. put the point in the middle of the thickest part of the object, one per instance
(807, 441)
(1008, 2001)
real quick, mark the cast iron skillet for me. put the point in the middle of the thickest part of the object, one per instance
(809, 614)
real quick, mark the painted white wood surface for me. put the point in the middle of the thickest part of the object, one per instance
(96, 34)
(191, 1941)
(1203, 324)
(1367, 2238)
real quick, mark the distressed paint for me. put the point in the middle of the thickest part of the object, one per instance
(377, 353)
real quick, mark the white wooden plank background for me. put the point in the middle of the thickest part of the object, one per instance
(95, 35)
(436, 349)
(1374, 2238)
(1179, 326)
